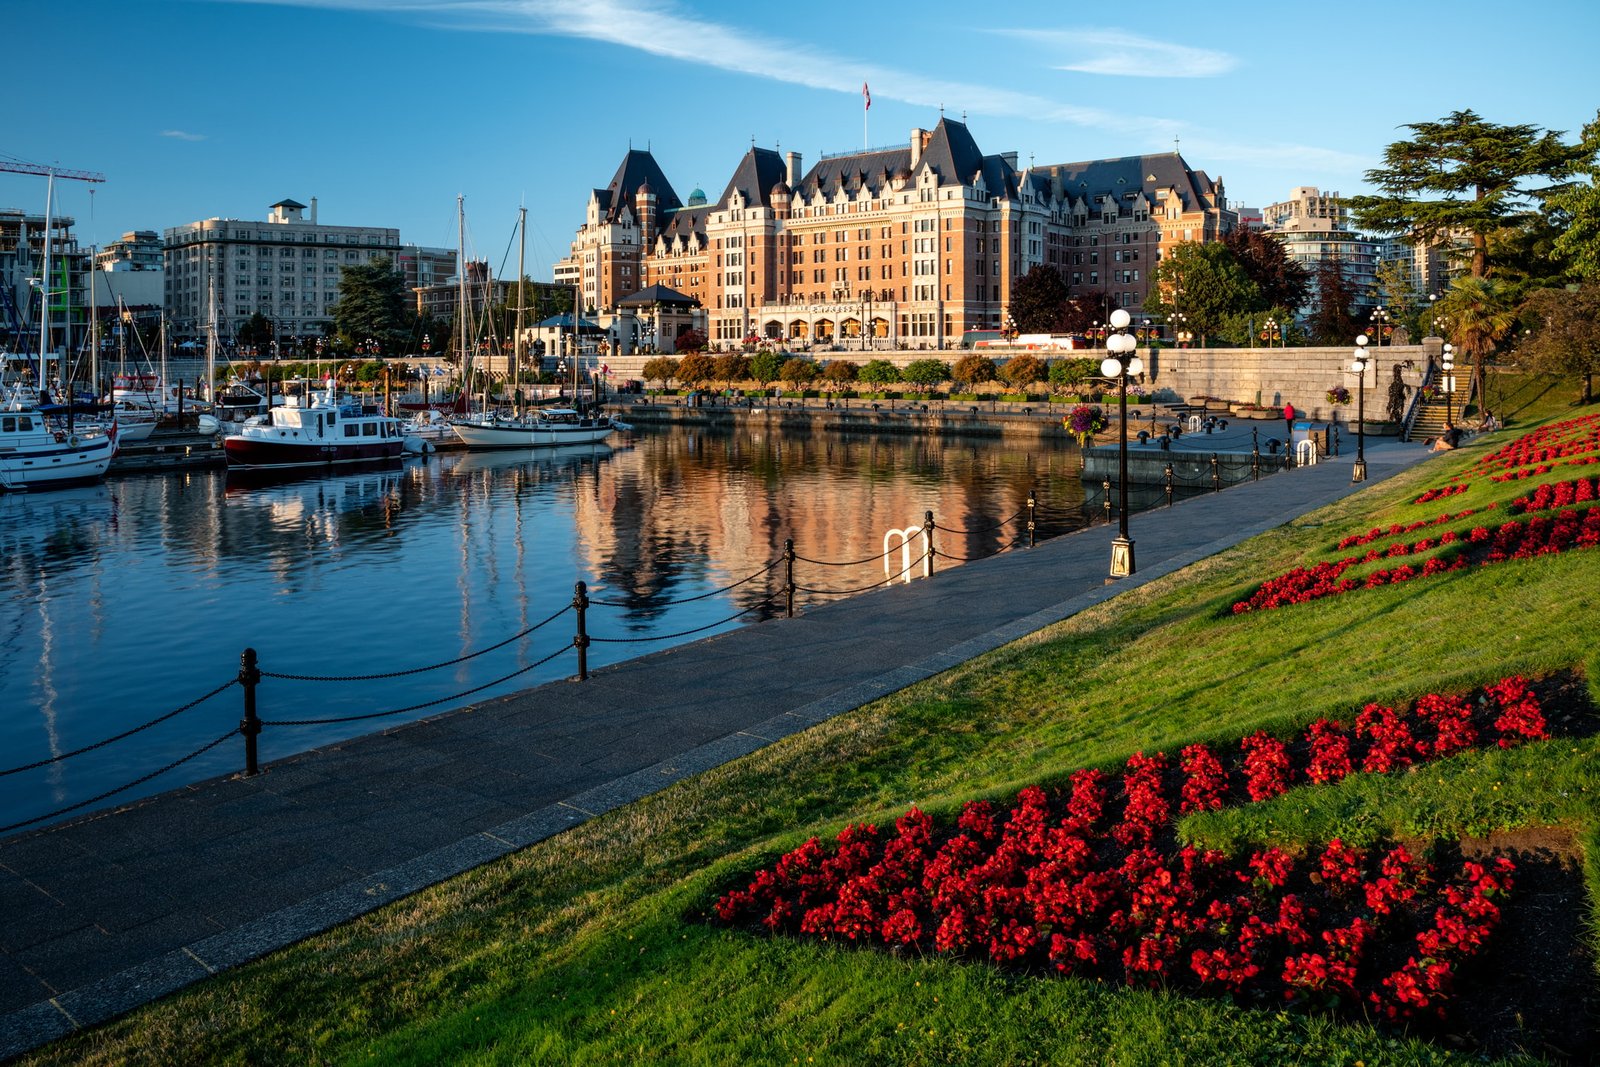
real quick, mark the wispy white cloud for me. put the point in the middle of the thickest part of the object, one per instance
(1126, 55)
(668, 29)
(183, 135)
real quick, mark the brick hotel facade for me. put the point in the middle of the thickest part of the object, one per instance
(913, 246)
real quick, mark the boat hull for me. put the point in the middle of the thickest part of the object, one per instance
(492, 435)
(57, 467)
(253, 454)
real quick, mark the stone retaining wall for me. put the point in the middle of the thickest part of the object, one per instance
(1273, 377)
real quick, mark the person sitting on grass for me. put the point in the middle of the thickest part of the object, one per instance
(1447, 440)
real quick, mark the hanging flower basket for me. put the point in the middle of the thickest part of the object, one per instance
(1339, 394)
(1084, 421)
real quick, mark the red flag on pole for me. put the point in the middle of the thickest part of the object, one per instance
(866, 97)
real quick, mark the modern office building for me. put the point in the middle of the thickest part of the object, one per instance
(286, 268)
(907, 246)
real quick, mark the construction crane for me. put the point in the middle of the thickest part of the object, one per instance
(19, 166)
(22, 167)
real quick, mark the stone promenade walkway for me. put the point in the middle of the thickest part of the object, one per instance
(108, 912)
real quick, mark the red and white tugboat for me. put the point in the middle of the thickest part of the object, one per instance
(330, 430)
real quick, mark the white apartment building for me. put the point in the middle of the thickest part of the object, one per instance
(286, 268)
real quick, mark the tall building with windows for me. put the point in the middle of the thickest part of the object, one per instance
(22, 244)
(1315, 227)
(286, 268)
(907, 246)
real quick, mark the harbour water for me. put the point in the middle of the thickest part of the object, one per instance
(122, 602)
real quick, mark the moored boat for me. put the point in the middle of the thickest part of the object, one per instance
(534, 429)
(37, 452)
(328, 431)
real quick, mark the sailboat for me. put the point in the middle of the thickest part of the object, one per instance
(536, 427)
(38, 451)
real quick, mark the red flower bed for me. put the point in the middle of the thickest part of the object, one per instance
(1089, 880)
(1557, 495)
(1518, 539)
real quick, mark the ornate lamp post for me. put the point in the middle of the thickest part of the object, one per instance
(1122, 362)
(1448, 361)
(1359, 473)
(1378, 326)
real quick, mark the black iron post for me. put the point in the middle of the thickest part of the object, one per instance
(927, 539)
(788, 576)
(1255, 462)
(1105, 487)
(1216, 474)
(1032, 507)
(580, 640)
(1359, 472)
(1123, 361)
(250, 725)
(1169, 485)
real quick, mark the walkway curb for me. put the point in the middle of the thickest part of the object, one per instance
(99, 1001)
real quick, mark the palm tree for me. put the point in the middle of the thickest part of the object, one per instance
(1480, 314)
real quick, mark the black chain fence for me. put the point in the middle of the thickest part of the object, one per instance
(250, 676)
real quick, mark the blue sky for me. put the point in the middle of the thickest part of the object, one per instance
(385, 110)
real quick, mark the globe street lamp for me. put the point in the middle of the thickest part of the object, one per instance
(1359, 474)
(1379, 325)
(1122, 362)
(1449, 364)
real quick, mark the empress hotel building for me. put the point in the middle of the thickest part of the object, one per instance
(913, 245)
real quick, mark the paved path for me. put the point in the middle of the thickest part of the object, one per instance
(110, 911)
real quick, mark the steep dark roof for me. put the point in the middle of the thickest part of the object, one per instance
(287, 203)
(953, 153)
(638, 168)
(871, 168)
(658, 294)
(757, 173)
(1131, 173)
(950, 151)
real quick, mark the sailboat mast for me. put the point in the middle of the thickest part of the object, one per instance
(461, 294)
(516, 343)
(211, 342)
(44, 283)
(94, 322)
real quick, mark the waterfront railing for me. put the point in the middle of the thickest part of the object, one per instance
(1019, 530)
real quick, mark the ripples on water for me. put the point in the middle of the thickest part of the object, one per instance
(122, 601)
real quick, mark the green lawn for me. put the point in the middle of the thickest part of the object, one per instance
(594, 946)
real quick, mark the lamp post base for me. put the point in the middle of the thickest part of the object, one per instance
(1121, 557)
(1358, 473)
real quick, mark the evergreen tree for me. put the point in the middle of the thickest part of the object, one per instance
(1579, 207)
(372, 304)
(1462, 175)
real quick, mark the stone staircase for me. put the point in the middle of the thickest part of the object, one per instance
(1429, 420)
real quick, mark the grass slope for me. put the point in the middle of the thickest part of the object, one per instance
(591, 947)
